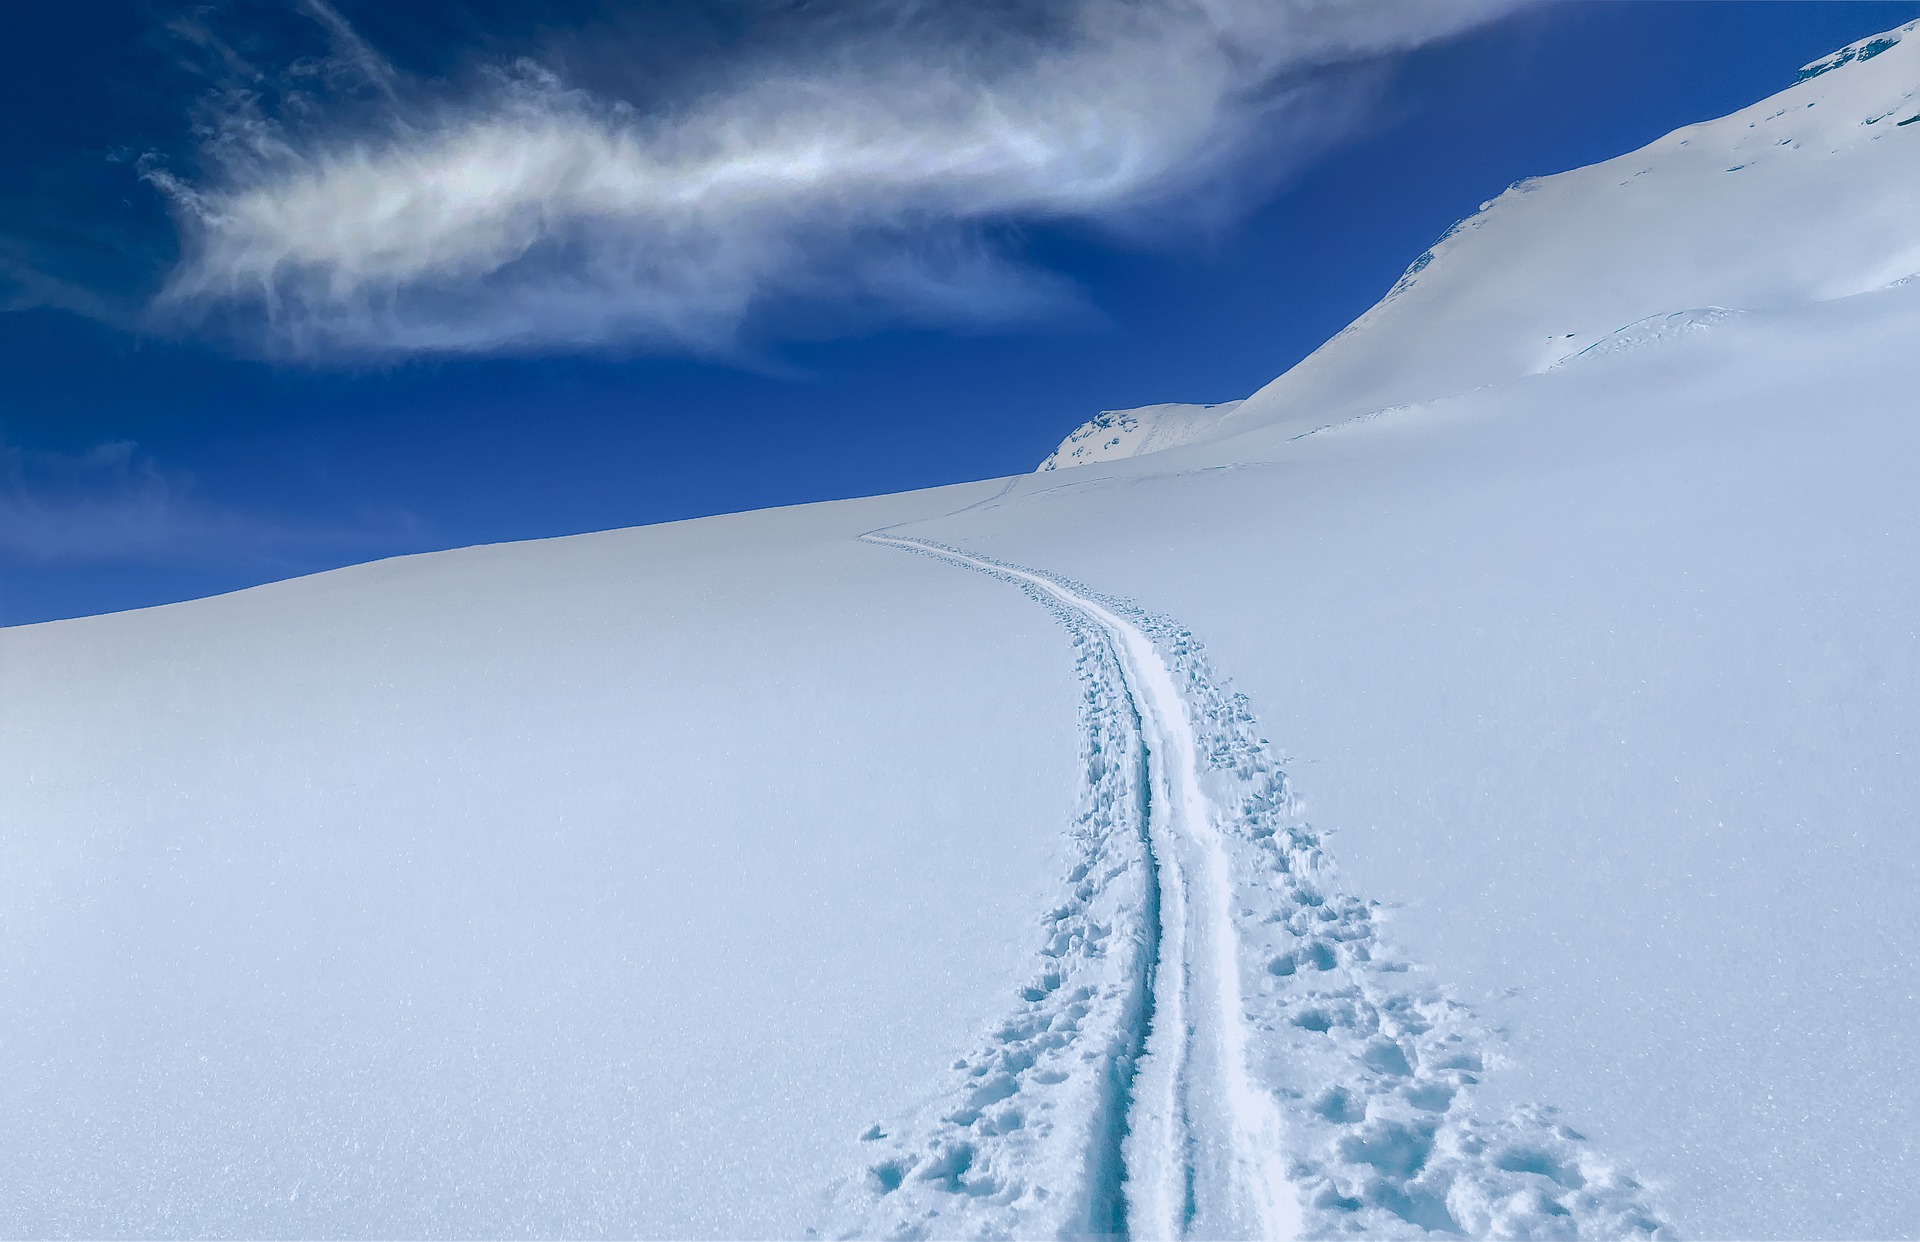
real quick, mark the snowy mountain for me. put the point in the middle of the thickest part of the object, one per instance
(1825, 171)
(1823, 175)
(1467, 791)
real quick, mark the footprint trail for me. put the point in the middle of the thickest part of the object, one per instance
(1215, 1043)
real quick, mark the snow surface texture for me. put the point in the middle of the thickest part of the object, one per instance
(620, 885)
(1113, 434)
(1606, 679)
(565, 889)
(1207, 963)
(1652, 331)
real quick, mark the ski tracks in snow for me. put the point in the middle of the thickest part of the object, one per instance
(1215, 1042)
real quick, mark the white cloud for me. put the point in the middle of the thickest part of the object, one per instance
(529, 214)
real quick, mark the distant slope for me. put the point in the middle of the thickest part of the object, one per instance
(1802, 197)
(1805, 196)
(1113, 434)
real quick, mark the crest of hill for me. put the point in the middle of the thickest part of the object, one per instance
(1113, 434)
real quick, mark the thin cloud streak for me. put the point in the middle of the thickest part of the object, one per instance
(528, 214)
(115, 504)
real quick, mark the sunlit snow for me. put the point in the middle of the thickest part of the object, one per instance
(1466, 788)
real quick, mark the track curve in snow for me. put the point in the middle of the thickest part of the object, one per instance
(1216, 1043)
(1203, 1153)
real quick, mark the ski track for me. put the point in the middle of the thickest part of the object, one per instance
(1215, 1042)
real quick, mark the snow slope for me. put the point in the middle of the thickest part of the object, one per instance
(1470, 792)
(1606, 683)
(1822, 175)
(577, 888)
(1247, 977)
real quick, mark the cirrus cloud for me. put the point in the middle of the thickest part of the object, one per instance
(115, 503)
(870, 176)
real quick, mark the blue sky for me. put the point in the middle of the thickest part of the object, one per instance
(230, 359)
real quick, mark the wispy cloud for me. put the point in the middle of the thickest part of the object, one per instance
(870, 170)
(115, 504)
(25, 284)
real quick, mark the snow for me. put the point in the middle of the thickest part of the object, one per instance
(1179, 1063)
(569, 888)
(1268, 982)
(1802, 197)
(1605, 683)
(1113, 434)
(1467, 788)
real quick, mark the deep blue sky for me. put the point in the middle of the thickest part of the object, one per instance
(222, 471)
